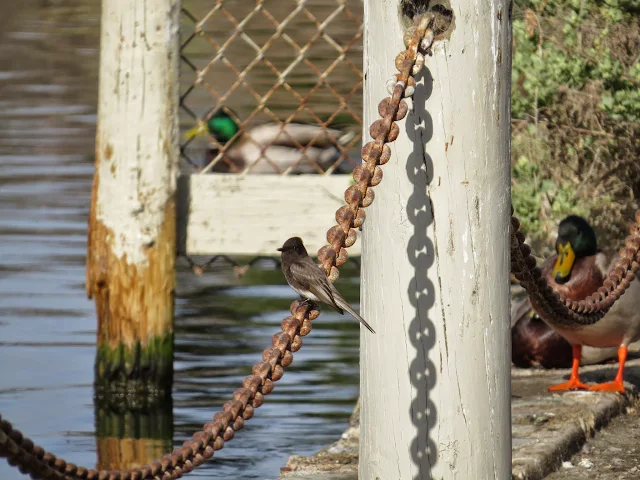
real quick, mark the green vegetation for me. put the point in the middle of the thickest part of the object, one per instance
(576, 111)
(139, 370)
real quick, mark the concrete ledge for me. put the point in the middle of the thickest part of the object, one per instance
(567, 420)
(338, 461)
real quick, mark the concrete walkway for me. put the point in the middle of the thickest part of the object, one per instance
(548, 429)
(612, 454)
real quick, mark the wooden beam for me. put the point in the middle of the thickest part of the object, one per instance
(132, 226)
(254, 214)
(434, 381)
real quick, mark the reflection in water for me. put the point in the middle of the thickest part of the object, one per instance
(48, 92)
(132, 437)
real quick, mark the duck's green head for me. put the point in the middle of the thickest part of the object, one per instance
(221, 125)
(576, 239)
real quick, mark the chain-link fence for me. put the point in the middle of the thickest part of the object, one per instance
(272, 86)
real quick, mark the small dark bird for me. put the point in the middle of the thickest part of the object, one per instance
(308, 279)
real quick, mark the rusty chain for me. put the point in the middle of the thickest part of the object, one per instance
(40, 464)
(560, 310)
(377, 152)
(239, 269)
(199, 268)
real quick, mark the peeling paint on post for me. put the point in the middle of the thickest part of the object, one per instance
(132, 226)
(435, 384)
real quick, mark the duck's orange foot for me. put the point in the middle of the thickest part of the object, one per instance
(572, 384)
(614, 386)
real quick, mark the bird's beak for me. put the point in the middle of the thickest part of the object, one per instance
(199, 129)
(279, 249)
(564, 263)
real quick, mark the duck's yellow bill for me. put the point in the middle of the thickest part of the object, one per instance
(564, 263)
(196, 131)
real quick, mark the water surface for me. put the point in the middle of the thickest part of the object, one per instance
(48, 92)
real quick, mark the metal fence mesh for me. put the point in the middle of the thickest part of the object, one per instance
(288, 73)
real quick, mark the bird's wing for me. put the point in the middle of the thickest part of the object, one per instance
(314, 280)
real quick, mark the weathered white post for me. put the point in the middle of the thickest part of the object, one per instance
(132, 244)
(435, 380)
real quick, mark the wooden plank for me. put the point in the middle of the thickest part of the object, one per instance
(254, 214)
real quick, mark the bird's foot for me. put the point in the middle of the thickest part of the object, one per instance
(572, 384)
(615, 386)
(310, 304)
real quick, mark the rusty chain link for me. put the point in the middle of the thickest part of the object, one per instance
(560, 310)
(40, 464)
(239, 270)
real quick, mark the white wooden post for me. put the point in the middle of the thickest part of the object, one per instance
(435, 380)
(132, 230)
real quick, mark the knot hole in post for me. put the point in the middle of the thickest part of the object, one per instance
(410, 10)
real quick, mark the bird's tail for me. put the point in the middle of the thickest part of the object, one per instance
(348, 308)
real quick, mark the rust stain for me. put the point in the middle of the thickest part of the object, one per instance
(134, 303)
(446, 147)
(451, 142)
(499, 55)
(108, 151)
(112, 169)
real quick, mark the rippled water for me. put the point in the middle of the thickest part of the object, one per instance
(48, 90)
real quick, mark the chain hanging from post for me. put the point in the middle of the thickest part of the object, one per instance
(40, 464)
(239, 269)
(199, 268)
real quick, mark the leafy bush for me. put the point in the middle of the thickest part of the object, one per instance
(576, 111)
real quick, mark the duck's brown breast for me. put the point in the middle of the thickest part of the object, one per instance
(586, 277)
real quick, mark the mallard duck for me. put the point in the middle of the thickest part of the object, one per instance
(577, 270)
(271, 147)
